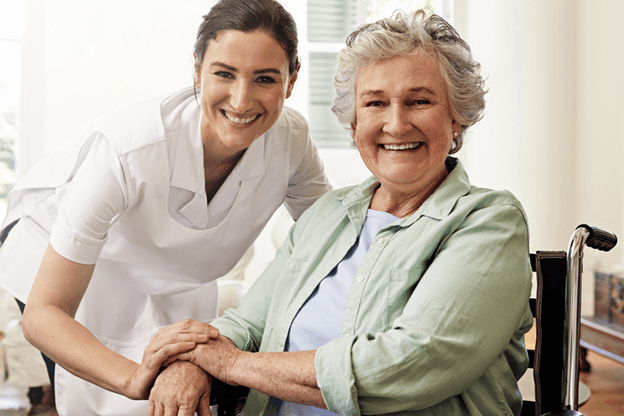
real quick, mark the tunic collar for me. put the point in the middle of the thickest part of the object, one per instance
(187, 171)
(183, 135)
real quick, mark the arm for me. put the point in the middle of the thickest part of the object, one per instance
(289, 376)
(100, 191)
(48, 324)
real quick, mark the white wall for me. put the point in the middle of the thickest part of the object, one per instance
(599, 176)
(551, 133)
(525, 142)
(85, 59)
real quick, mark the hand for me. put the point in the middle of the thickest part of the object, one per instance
(167, 342)
(180, 390)
(217, 358)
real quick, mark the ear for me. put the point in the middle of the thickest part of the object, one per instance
(292, 79)
(456, 126)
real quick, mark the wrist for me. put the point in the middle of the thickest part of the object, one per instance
(236, 366)
(127, 384)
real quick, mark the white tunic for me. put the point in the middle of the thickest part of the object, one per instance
(129, 193)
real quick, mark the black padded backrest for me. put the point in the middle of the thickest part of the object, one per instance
(547, 360)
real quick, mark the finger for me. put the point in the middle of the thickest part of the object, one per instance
(203, 407)
(162, 340)
(180, 357)
(159, 410)
(150, 408)
(170, 410)
(191, 326)
(185, 410)
(155, 359)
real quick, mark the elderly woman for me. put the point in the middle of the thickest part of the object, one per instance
(408, 293)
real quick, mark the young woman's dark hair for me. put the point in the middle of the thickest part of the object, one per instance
(247, 16)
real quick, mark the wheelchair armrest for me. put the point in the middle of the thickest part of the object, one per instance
(221, 392)
(563, 413)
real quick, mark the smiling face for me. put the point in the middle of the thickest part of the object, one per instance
(244, 82)
(403, 122)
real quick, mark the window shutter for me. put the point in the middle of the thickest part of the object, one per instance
(329, 24)
(331, 20)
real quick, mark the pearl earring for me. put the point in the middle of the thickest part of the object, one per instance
(455, 134)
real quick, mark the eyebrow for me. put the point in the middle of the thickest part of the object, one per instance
(381, 92)
(256, 72)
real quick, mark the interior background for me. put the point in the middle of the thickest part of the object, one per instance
(552, 132)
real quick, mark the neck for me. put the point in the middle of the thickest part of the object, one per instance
(217, 167)
(402, 202)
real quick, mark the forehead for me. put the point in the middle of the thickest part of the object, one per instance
(258, 49)
(402, 73)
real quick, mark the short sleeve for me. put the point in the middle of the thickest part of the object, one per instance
(96, 195)
(308, 182)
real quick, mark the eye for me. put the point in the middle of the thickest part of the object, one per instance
(265, 80)
(224, 74)
(374, 104)
(418, 102)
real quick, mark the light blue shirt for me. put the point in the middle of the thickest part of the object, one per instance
(320, 318)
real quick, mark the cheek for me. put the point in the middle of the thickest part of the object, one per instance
(364, 124)
(212, 93)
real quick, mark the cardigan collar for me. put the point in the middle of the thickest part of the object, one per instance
(438, 206)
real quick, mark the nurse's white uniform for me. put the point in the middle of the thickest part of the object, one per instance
(128, 194)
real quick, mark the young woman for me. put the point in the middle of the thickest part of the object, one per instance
(127, 227)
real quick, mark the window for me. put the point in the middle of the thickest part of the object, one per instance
(11, 27)
(329, 24)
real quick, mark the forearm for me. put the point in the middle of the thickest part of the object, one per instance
(74, 348)
(289, 376)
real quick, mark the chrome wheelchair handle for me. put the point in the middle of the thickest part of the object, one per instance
(599, 239)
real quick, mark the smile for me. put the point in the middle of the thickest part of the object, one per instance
(237, 120)
(408, 146)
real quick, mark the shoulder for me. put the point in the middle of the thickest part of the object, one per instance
(483, 198)
(458, 198)
(290, 122)
(290, 137)
(143, 123)
(293, 119)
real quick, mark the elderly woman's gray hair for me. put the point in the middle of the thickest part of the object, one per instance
(405, 33)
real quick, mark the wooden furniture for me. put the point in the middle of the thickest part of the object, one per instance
(603, 337)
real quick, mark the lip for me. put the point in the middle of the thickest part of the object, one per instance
(401, 146)
(240, 120)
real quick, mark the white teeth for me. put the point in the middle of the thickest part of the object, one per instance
(240, 120)
(401, 147)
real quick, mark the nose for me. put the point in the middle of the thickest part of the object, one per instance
(242, 97)
(397, 121)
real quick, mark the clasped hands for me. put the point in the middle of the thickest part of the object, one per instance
(183, 386)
